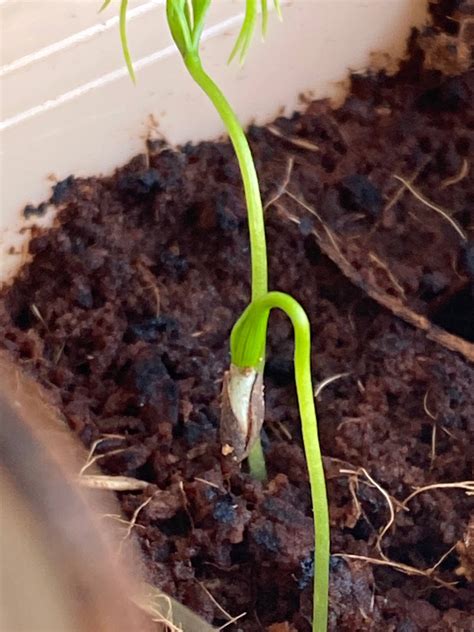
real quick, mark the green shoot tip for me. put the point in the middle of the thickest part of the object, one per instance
(277, 6)
(105, 4)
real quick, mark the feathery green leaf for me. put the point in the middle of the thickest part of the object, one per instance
(277, 6)
(200, 9)
(245, 36)
(104, 5)
(264, 18)
(178, 15)
(123, 38)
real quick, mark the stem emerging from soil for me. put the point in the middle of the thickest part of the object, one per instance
(246, 341)
(256, 461)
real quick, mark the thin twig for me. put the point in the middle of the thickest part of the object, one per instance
(284, 430)
(59, 352)
(443, 557)
(232, 621)
(203, 480)
(350, 316)
(351, 420)
(150, 602)
(467, 486)
(329, 380)
(458, 177)
(282, 188)
(228, 616)
(90, 455)
(389, 273)
(328, 231)
(97, 457)
(399, 192)
(434, 430)
(403, 568)
(118, 518)
(186, 503)
(112, 483)
(39, 316)
(391, 510)
(394, 304)
(91, 458)
(197, 334)
(449, 433)
(388, 499)
(133, 522)
(425, 407)
(421, 198)
(353, 487)
(434, 433)
(293, 140)
(150, 278)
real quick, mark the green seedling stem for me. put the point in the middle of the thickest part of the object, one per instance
(186, 22)
(253, 199)
(248, 338)
(123, 34)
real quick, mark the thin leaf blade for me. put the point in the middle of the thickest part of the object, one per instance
(105, 4)
(123, 38)
(245, 36)
(200, 9)
(264, 18)
(277, 6)
(179, 25)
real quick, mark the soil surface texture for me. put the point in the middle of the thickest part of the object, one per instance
(124, 314)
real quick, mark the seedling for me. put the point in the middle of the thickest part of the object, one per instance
(242, 398)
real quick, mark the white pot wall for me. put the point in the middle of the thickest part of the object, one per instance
(68, 106)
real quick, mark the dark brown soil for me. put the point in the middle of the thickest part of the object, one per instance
(124, 314)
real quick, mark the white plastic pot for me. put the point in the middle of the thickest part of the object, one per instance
(68, 106)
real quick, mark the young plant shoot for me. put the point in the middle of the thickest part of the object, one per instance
(242, 397)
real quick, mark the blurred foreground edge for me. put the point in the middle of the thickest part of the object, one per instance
(60, 571)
